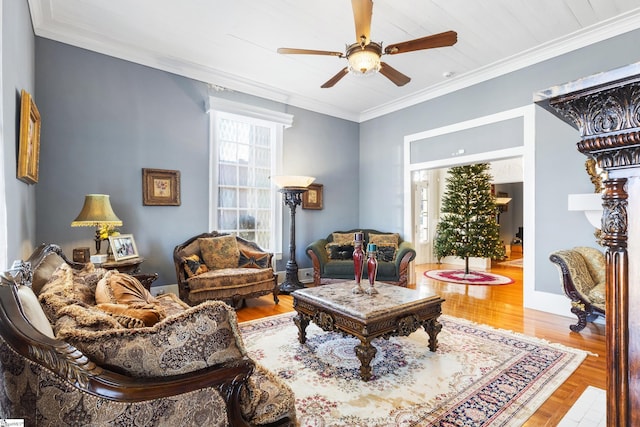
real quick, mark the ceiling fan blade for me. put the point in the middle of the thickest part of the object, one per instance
(287, 50)
(394, 75)
(448, 38)
(335, 79)
(362, 11)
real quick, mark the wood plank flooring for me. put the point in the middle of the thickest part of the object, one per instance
(500, 307)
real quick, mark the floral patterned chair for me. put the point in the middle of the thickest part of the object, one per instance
(81, 346)
(582, 272)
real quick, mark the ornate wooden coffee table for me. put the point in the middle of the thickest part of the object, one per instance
(394, 311)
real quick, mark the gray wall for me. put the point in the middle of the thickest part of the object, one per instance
(18, 72)
(559, 167)
(512, 218)
(105, 119)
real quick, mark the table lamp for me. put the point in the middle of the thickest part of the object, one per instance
(292, 187)
(96, 212)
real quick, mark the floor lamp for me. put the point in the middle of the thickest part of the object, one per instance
(292, 188)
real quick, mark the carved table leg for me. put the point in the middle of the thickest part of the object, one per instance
(301, 322)
(433, 328)
(365, 352)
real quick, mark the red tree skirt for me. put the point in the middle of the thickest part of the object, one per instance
(473, 278)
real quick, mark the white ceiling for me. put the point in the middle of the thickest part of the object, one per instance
(232, 44)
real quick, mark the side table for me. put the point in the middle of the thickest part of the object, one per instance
(127, 266)
(131, 267)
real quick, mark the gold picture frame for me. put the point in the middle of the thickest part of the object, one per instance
(29, 150)
(160, 187)
(312, 198)
(123, 247)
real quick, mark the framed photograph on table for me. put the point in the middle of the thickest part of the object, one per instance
(160, 187)
(123, 247)
(312, 198)
(29, 149)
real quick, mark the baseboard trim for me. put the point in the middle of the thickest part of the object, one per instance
(547, 302)
(305, 275)
(164, 289)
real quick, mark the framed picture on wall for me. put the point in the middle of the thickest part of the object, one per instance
(160, 187)
(29, 149)
(312, 198)
(123, 247)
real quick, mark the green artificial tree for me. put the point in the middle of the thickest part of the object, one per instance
(468, 225)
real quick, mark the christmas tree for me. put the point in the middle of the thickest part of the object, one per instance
(468, 225)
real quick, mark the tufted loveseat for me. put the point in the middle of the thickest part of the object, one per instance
(331, 257)
(583, 274)
(97, 363)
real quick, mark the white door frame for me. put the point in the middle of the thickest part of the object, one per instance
(543, 301)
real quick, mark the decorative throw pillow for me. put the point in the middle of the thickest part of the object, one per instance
(130, 298)
(220, 252)
(387, 245)
(387, 253)
(193, 265)
(33, 311)
(339, 251)
(253, 259)
(384, 239)
(343, 238)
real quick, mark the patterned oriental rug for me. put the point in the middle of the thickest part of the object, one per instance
(473, 278)
(479, 376)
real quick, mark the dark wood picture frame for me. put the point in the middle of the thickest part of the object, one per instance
(123, 247)
(160, 187)
(312, 198)
(29, 150)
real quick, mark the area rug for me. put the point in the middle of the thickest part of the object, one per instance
(473, 278)
(478, 377)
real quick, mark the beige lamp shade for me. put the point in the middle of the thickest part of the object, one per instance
(96, 211)
(292, 181)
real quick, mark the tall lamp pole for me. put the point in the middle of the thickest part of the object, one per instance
(292, 197)
(292, 188)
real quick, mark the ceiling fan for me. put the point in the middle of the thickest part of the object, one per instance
(364, 55)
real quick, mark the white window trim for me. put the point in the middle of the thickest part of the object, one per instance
(269, 118)
(4, 240)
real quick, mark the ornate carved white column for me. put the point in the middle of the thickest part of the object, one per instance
(605, 108)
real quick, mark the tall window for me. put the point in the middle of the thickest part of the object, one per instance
(246, 149)
(245, 163)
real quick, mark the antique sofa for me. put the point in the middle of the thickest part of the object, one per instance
(583, 275)
(218, 266)
(332, 256)
(65, 361)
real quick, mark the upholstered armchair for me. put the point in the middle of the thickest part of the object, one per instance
(218, 266)
(66, 360)
(583, 276)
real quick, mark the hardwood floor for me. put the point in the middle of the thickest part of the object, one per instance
(500, 307)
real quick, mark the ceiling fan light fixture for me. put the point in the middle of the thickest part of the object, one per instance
(364, 60)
